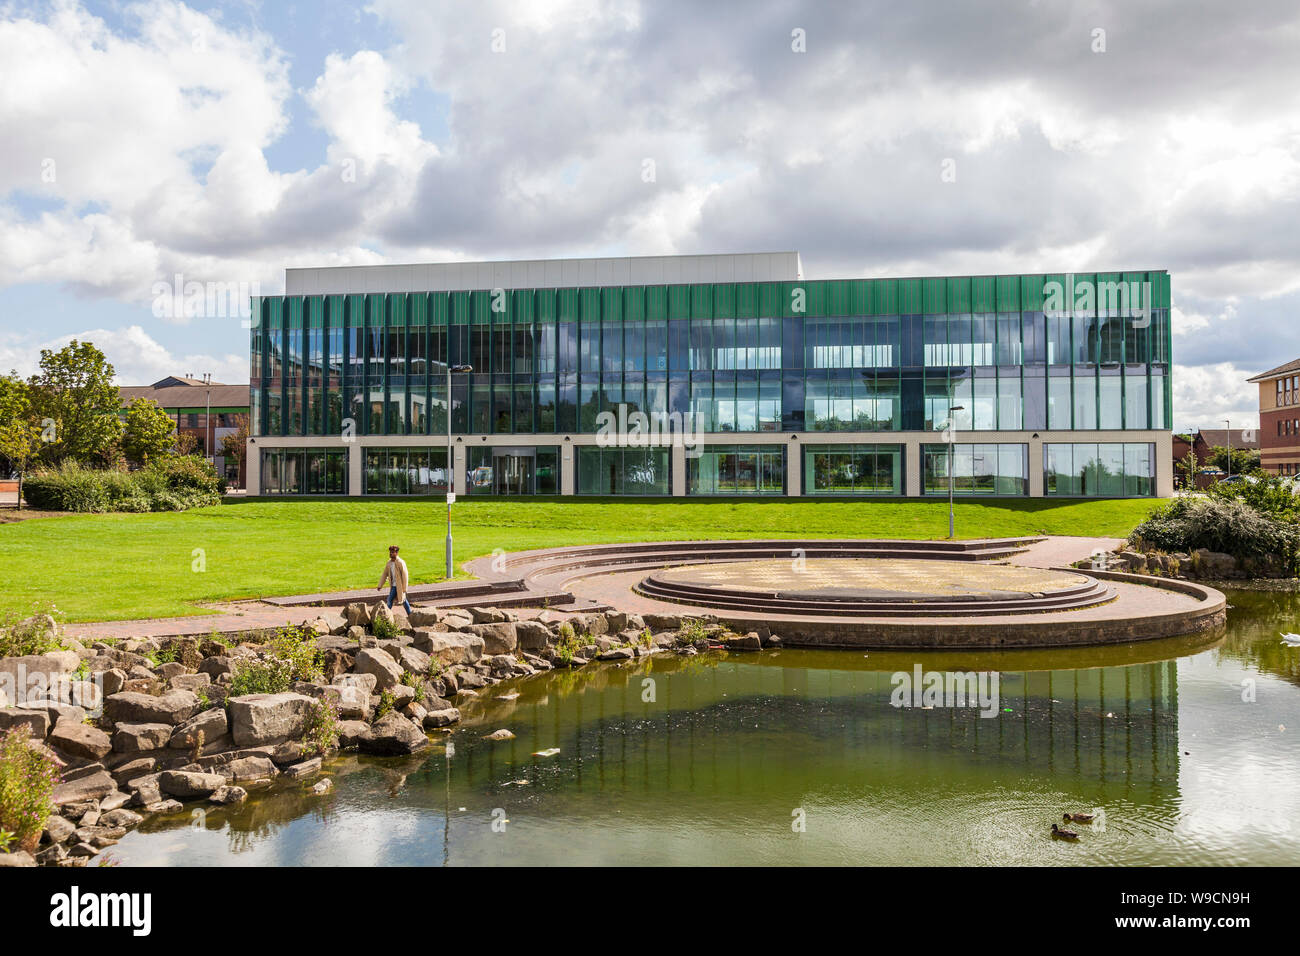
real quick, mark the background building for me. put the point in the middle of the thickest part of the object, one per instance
(831, 387)
(1279, 419)
(188, 401)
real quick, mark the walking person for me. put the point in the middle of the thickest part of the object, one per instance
(395, 574)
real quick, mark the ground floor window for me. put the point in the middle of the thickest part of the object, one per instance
(977, 469)
(737, 470)
(623, 471)
(406, 471)
(853, 469)
(1101, 469)
(304, 471)
(512, 470)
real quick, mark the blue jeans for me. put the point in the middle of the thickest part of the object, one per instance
(392, 596)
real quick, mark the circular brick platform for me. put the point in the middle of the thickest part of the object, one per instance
(904, 587)
(938, 595)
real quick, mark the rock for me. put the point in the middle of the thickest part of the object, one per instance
(443, 717)
(113, 801)
(58, 830)
(173, 707)
(425, 617)
(212, 724)
(170, 670)
(323, 786)
(450, 647)
(36, 720)
(616, 654)
(382, 612)
(141, 738)
(18, 858)
(486, 615)
(80, 740)
(393, 735)
(352, 732)
(381, 665)
(532, 635)
(226, 796)
(350, 701)
(501, 734)
(1213, 564)
(121, 818)
(52, 855)
(663, 622)
(304, 769)
(214, 667)
(249, 768)
(417, 662)
(498, 638)
(745, 642)
(356, 633)
(259, 719)
(90, 787)
(113, 681)
(131, 769)
(33, 674)
(357, 614)
(165, 806)
(190, 784)
(198, 683)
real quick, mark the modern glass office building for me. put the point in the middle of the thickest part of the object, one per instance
(709, 375)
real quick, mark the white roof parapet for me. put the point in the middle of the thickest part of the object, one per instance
(546, 273)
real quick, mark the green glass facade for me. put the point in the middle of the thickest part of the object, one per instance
(824, 361)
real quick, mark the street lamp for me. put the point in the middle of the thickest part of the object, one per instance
(451, 481)
(1228, 422)
(952, 449)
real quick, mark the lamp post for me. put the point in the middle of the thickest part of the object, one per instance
(1228, 422)
(952, 448)
(451, 480)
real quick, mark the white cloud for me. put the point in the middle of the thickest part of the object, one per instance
(136, 357)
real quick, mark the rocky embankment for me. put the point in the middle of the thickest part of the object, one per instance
(145, 727)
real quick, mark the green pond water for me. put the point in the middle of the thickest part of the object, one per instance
(1190, 748)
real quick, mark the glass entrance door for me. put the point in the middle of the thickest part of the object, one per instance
(514, 474)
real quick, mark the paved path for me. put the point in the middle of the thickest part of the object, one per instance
(249, 615)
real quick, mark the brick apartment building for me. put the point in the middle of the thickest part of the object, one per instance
(188, 401)
(1279, 418)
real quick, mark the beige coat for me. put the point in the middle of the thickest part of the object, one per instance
(395, 573)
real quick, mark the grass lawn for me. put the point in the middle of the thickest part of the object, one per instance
(119, 566)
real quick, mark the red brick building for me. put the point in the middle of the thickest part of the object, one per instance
(1279, 418)
(188, 401)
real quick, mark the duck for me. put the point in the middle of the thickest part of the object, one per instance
(1060, 834)
(1080, 817)
(1291, 640)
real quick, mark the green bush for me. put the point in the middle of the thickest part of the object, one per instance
(168, 484)
(296, 645)
(1269, 495)
(27, 781)
(384, 628)
(321, 731)
(29, 635)
(260, 675)
(1221, 523)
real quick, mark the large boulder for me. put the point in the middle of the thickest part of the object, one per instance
(249, 768)
(188, 784)
(94, 784)
(260, 719)
(80, 739)
(140, 738)
(36, 719)
(211, 723)
(393, 735)
(532, 635)
(173, 707)
(357, 614)
(1213, 564)
(417, 662)
(351, 701)
(498, 638)
(34, 676)
(380, 664)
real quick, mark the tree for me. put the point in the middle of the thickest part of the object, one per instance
(74, 393)
(149, 432)
(1244, 460)
(235, 445)
(20, 429)
(186, 442)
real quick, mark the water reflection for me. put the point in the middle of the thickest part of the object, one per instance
(717, 759)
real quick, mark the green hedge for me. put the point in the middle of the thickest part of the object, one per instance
(169, 484)
(1225, 524)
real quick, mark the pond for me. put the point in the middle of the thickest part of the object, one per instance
(1188, 749)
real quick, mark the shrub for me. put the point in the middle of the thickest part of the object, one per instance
(321, 732)
(260, 675)
(1220, 523)
(386, 702)
(30, 635)
(169, 484)
(295, 644)
(1268, 495)
(384, 627)
(27, 781)
(692, 630)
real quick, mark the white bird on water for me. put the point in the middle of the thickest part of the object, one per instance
(1291, 640)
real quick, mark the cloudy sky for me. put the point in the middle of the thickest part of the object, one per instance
(222, 142)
